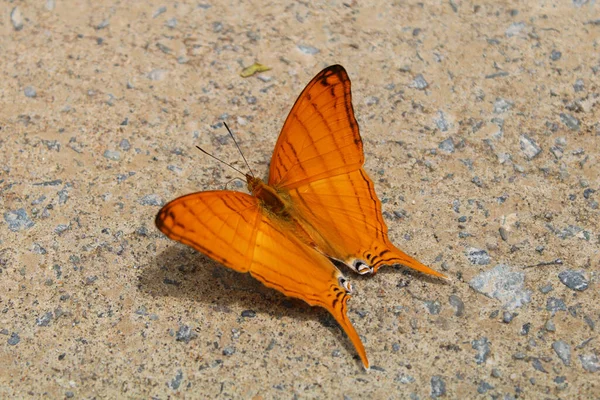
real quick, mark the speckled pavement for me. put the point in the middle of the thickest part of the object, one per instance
(481, 131)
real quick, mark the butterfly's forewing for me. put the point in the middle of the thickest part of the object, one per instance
(318, 160)
(318, 138)
(234, 229)
(220, 224)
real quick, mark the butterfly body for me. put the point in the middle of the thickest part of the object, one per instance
(318, 204)
(271, 199)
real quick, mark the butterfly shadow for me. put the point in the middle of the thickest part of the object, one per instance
(180, 272)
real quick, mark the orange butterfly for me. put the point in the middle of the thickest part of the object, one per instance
(319, 205)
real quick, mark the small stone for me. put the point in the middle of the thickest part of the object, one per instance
(502, 105)
(496, 373)
(14, 339)
(103, 24)
(308, 49)
(514, 29)
(151, 200)
(38, 249)
(525, 329)
(372, 100)
(438, 386)
(529, 147)
(477, 181)
(113, 155)
(579, 86)
(554, 304)
(482, 346)
(229, 350)
(546, 288)
(555, 55)
(503, 284)
(159, 11)
(185, 334)
(590, 362)
(141, 311)
(574, 280)
(404, 378)
(44, 320)
(507, 317)
(171, 23)
(165, 49)
(537, 365)
(69, 394)
(176, 382)
(18, 220)
(484, 387)
(447, 145)
(124, 144)
(157, 74)
(61, 228)
(478, 256)
(457, 303)
(549, 326)
(248, 314)
(419, 82)
(557, 152)
(16, 18)
(434, 307)
(503, 233)
(441, 122)
(563, 351)
(570, 121)
(30, 92)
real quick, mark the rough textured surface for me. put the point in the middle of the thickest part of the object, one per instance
(480, 125)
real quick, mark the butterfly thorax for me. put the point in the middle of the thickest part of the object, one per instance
(269, 197)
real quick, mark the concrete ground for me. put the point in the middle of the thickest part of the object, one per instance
(481, 131)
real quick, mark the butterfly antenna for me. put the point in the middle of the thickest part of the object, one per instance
(218, 159)
(238, 147)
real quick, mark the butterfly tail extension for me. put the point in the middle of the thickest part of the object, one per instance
(391, 255)
(338, 311)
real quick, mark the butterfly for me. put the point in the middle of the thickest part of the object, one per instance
(319, 205)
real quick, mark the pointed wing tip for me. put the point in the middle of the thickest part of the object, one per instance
(439, 275)
(410, 262)
(336, 67)
(433, 272)
(338, 311)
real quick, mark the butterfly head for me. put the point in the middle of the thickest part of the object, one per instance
(270, 198)
(253, 183)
